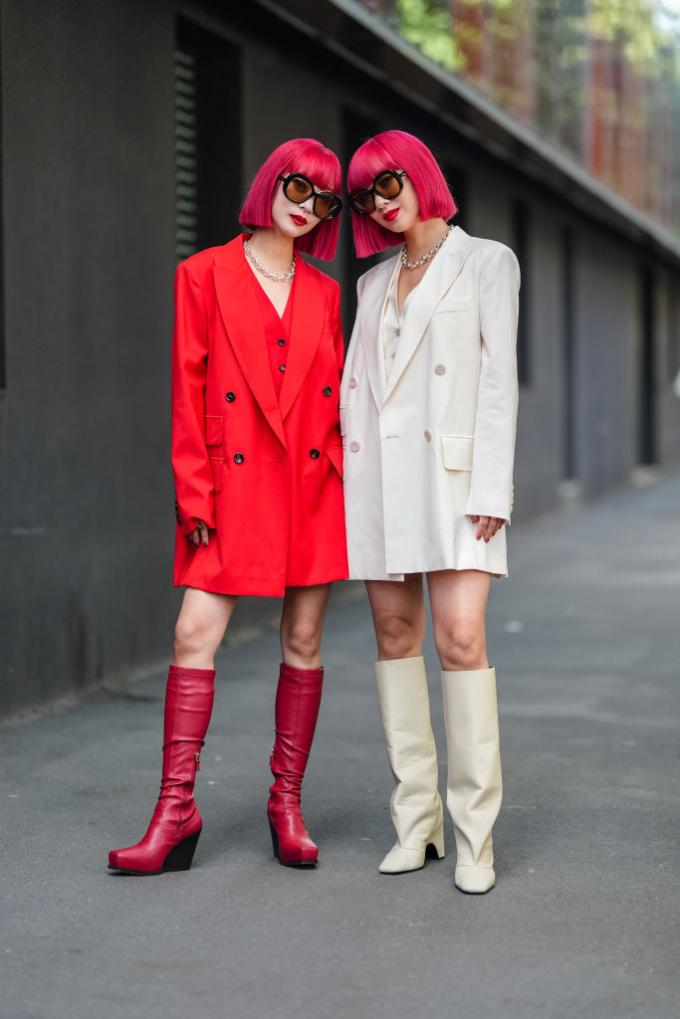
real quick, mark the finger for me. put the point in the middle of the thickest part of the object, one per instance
(490, 529)
(483, 521)
(204, 535)
(474, 518)
(497, 524)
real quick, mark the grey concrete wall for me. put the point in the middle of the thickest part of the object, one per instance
(86, 520)
(89, 258)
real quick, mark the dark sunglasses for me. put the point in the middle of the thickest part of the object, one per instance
(386, 184)
(298, 188)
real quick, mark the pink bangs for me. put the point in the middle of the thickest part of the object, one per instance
(396, 150)
(314, 160)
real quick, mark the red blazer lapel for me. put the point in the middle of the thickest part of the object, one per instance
(243, 322)
(309, 311)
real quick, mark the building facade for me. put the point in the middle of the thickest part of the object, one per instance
(129, 132)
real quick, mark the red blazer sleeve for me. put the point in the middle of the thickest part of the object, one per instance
(191, 468)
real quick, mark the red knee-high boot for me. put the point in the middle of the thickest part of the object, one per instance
(297, 707)
(173, 832)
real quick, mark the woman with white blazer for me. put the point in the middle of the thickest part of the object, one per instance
(428, 409)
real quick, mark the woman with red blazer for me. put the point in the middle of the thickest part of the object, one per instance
(257, 461)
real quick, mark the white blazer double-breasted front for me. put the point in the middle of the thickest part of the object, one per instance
(433, 442)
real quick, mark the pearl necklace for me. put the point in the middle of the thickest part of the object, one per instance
(277, 277)
(427, 256)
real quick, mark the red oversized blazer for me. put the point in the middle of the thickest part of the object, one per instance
(264, 473)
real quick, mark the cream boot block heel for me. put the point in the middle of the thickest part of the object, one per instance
(474, 785)
(415, 804)
(401, 860)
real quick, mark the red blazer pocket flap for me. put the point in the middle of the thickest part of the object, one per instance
(213, 429)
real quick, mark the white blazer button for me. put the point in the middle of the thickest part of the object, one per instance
(355, 447)
(439, 369)
(353, 383)
(428, 436)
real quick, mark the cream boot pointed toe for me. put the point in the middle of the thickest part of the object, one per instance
(474, 880)
(415, 804)
(474, 785)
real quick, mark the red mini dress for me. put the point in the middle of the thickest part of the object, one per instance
(277, 331)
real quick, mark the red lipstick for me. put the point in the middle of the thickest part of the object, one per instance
(391, 215)
(299, 220)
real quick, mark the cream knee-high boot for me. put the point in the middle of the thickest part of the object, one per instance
(474, 785)
(415, 804)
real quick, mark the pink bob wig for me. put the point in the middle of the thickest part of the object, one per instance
(396, 150)
(314, 160)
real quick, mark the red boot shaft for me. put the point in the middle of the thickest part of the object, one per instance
(175, 826)
(298, 697)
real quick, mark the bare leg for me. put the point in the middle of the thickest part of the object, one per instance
(398, 616)
(302, 619)
(458, 600)
(200, 627)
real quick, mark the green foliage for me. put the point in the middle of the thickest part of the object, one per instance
(650, 46)
(427, 24)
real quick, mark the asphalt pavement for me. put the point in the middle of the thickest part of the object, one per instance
(584, 921)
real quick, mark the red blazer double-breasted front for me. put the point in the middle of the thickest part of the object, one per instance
(263, 472)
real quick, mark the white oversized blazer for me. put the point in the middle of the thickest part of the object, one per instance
(434, 444)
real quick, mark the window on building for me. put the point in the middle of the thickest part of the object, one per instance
(207, 139)
(186, 156)
(520, 243)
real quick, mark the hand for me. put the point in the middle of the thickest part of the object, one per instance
(199, 536)
(488, 526)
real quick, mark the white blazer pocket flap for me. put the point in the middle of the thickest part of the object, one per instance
(457, 452)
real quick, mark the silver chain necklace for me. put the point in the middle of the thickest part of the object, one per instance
(428, 254)
(277, 277)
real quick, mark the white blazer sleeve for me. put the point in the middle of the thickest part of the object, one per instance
(491, 488)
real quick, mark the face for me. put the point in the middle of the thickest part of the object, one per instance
(290, 218)
(400, 213)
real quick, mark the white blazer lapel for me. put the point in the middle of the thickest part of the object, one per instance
(372, 310)
(437, 280)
